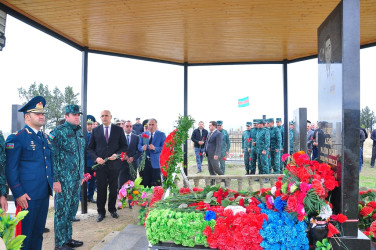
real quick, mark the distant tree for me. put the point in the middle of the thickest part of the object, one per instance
(367, 118)
(55, 101)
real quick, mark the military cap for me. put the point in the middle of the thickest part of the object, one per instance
(291, 123)
(117, 121)
(248, 124)
(308, 121)
(90, 119)
(35, 105)
(219, 122)
(72, 109)
(270, 120)
(137, 118)
(278, 119)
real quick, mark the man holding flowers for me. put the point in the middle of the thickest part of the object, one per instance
(107, 141)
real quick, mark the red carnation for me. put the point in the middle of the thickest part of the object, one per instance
(366, 211)
(224, 158)
(332, 230)
(122, 156)
(199, 153)
(341, 218)
(371, 204)
(241, 202)
(144, 135)
(250, 158)
(207, 231)
(374, 216)
(372, 228)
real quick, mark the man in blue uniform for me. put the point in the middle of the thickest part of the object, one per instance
(69, 162)
(29, 171)
(89, 162)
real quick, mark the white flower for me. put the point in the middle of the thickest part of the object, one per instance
(273, 190)
(236, 209)
(325, 212)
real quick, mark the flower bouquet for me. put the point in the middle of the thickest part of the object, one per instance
(135, 193)
(141, 166)
(367, 213)
(121, 156)
(7, 228)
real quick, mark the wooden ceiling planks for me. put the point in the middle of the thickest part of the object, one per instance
(193, 31)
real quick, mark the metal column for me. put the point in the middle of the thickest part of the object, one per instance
(83, 122)
(285, 110)
(185, 114)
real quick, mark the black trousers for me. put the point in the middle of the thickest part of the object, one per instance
(151, 176)
(373, 155)
(125, 173)
(107, 177)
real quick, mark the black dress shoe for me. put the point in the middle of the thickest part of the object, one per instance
(114, 215)
(63, 247)
(92, 200)
(75, 219)
(46, 230)
(100, 217)
(74, 243)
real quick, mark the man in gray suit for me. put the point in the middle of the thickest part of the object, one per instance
(213, 149)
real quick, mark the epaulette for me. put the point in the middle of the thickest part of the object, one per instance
(20, 131)
(28, 131)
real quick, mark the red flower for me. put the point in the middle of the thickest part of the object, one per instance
(278, 184)
(250, 158)
(199, 153)
(144, 135)
(207, 231)
(122, 156)
(224, 158)
(284, 157)
(366, 211)
(341, 218)
(371, 204)
(332, 230)
(130, 197)
(372, 228)
(241, 202)
(292, 203)
(374, 216)
(277, 193)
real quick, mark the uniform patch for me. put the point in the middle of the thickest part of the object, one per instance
(51, 136)
(10, 146)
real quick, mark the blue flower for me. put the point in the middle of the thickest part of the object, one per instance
(279, 204)
(210, 215)
(282, 230)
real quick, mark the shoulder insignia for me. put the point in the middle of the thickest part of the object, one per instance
(28, 131)
(20, 131)
(10, 145)
(51, 136)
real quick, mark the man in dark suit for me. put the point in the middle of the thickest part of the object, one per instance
(153, 148)
(29, 171)
(126, 173)
(213, 149)
(107, 141)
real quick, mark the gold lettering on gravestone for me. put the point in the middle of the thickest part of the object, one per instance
(329, 153)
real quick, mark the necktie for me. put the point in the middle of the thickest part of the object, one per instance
(40, 135)
(128, 139)
(106, 134)
(151, 139)
(201, 133)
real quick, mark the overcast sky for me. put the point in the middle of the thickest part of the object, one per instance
(134, 88)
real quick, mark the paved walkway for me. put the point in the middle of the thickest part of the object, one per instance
(132, 237)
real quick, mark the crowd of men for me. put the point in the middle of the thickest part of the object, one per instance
(262, 146)
(34, 164)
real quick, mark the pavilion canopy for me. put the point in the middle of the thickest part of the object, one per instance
(191, 31)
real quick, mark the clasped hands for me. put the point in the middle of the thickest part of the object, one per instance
(151, 147)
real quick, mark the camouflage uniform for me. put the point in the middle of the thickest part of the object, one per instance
(246, 146)
(291, 140)
(280, 128)
(2, 166)
(225, 147)
(262, 144)
(69, 162)
(254, 132)
(275, 144)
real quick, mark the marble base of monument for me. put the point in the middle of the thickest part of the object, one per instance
(352, 243)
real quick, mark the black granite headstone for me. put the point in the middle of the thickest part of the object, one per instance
(300, 129)
(339, 111)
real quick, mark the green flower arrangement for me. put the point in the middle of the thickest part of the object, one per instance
(180, 227)
(7, 226)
